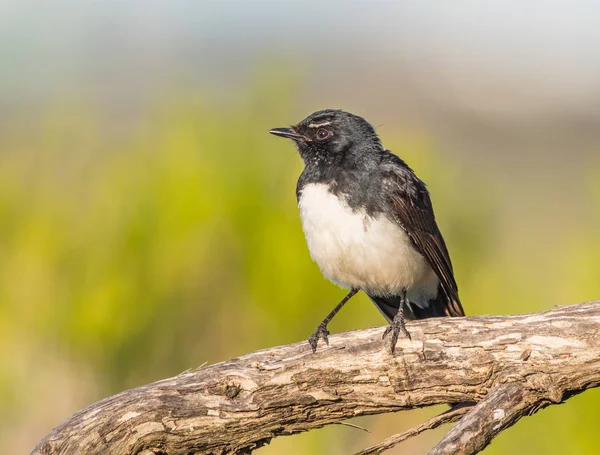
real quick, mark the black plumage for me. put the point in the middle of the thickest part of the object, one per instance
(343, 154)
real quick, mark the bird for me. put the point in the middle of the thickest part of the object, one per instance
(369, 223)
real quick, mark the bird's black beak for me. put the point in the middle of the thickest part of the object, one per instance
(287, 132)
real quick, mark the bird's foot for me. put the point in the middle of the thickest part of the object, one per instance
(322, 333)
(396, 327)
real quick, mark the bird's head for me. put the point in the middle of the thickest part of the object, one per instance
(332, 136)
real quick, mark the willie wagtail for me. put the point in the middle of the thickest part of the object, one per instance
(369, 222)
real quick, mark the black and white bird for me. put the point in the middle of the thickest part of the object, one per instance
(369, 222)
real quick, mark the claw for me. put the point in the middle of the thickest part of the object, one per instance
(388, 329)
(321, 333)
(395, 328)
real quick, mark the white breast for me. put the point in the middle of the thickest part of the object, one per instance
(355, 250)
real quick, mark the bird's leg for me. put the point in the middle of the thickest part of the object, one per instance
(322, 331)
(397, 325)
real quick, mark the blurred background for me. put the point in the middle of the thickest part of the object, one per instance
(148, 222)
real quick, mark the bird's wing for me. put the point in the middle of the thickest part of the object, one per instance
(413, 211)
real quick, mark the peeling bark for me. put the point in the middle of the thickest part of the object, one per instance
(510, 366)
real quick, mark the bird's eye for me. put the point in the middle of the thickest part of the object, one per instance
(323, 134)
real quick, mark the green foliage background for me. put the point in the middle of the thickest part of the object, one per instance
(131, 252)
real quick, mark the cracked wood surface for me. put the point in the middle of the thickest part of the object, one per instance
(511, 366)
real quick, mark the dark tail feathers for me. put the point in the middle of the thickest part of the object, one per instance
(439, 307)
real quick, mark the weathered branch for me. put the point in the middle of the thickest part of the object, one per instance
(501, 408)
(510, 366)
(449, 416)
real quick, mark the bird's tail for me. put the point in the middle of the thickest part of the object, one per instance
(438, 307)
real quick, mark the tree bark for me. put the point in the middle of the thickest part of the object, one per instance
(508, 367)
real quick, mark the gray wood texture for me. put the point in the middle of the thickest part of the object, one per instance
(508, 367)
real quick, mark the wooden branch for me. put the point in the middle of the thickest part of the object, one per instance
(447, 417)
(510, 366)
(501, 408)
